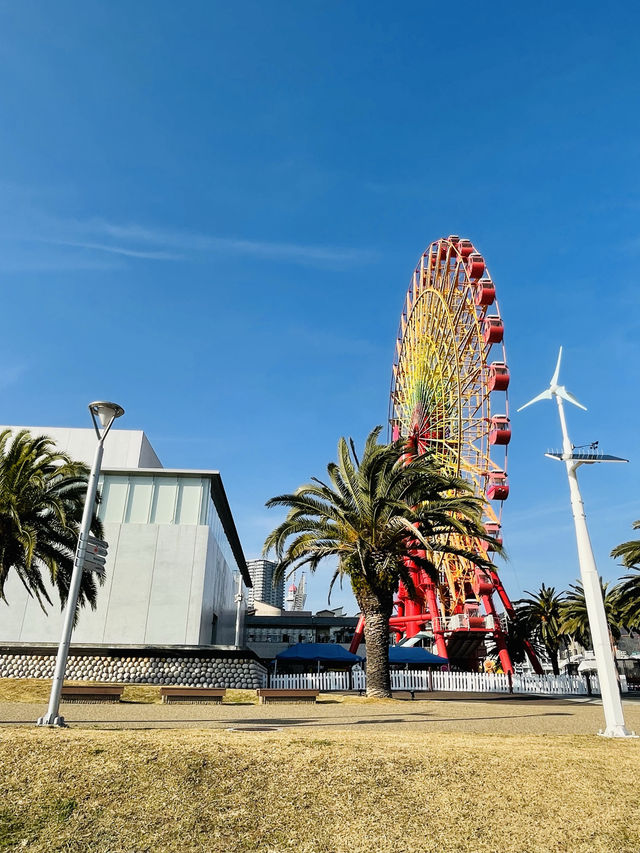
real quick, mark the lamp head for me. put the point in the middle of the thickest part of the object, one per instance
(106, 413)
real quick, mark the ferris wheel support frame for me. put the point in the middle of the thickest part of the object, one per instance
(441, 358)
(440, 400)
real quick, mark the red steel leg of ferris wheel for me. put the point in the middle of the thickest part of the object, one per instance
(498, 635)
(411, 608)
(357, 637)
(533, 658)
(399, 613)
(510, 610)
(434, 613)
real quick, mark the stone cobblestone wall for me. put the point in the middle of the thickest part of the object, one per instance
(230, 672)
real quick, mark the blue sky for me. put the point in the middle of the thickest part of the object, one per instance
(209, 212)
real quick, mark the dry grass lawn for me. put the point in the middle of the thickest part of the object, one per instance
(345, 792)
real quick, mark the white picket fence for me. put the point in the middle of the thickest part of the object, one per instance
(323, 681)
(555, 684)
(471, 682)
(425, 681)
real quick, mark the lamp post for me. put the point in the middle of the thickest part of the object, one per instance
(103, 415)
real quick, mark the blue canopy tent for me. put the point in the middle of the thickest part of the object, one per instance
(325, 654)
(415, 656)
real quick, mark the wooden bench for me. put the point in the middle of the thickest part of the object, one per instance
(91, 693)
(268, 695)
(193, 695)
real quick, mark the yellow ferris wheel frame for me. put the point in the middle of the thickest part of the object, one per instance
(440, 393)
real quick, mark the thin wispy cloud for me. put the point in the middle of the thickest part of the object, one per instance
(15, 259)
(30, 227)
(38, 239)
(196, 242)
(120, 250)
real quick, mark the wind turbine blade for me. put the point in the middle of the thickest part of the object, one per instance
(546, 395)
(566, 395)
(556, 374)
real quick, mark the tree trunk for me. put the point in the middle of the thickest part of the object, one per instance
(376, 636)
(553, 657)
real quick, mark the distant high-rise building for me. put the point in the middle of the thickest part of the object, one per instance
(261, 572)
(297, 594)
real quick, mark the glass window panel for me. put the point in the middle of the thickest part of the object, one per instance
(189, 501)
(220, 536)
(114, 498)
(205, 502)
(139, 504)
(164, 500)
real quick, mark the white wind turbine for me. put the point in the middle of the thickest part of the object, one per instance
(605, 664)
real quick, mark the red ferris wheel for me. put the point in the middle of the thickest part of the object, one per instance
(449, 396)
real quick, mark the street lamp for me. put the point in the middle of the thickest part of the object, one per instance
(103, 415)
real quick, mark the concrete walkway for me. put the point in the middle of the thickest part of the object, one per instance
(438, 713)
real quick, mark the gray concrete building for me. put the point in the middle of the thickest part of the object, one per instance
(174, 554)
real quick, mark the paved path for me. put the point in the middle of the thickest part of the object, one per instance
(444, 712)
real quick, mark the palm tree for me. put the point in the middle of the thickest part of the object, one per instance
(42, 496)
(629, 588)
(628, 593)
(367, 516)
(542, 611)
(519, 632)
(575, 620)
(629, 551)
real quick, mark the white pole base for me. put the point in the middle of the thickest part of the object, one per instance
(52, 721)
(616, 731)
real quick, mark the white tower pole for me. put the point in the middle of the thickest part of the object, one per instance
(605, 663)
